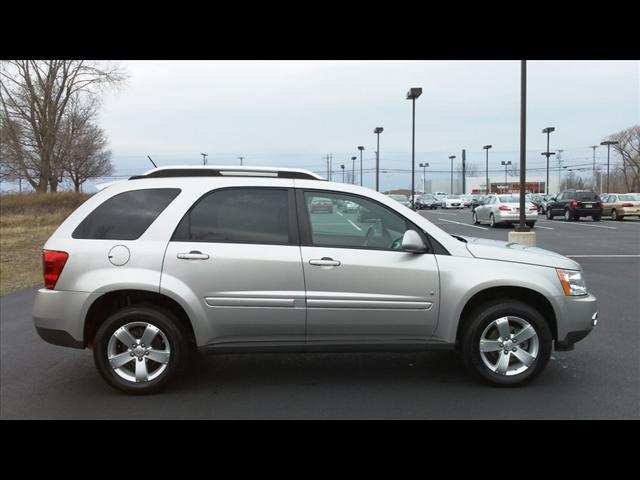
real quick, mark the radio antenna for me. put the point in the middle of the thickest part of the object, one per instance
(154, 164)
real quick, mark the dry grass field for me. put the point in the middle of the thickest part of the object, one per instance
(26, 221)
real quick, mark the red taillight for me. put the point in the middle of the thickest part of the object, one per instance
(504, 208)
(599, 204)
(574, 203)
(627, 205)
(533, 208)
(53, 263)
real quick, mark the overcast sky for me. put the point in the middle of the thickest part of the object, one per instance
(292, 113)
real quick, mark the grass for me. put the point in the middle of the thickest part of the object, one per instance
(26, 222)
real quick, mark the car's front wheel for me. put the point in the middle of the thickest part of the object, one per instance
(139, 349)
(549, 214)
(506, 343)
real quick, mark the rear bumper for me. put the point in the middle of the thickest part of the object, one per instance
(587, 212)
(515, 217)
(59, 316)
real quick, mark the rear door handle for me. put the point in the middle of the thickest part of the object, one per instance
(193, 255)
(325, 262)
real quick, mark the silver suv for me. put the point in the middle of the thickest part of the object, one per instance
(229, 259)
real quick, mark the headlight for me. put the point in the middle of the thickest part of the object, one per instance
(572, 282)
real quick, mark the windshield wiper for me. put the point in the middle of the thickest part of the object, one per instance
(460, 238)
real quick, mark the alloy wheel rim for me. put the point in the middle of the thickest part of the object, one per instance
(567, 215)
(138, 352)
(509, 346)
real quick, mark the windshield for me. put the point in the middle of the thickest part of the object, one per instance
(400, 198)
(586, 196)
(453, 197)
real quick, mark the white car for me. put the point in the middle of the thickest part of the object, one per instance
(453, 201)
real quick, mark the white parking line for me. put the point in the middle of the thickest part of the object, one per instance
(463, 224)
(586, 225)
(353, 224)
(603, 256)
(546, 228)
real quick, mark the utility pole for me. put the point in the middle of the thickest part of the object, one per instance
(608, 143)
(241, 158)
(342, 167)
(204, 158)
(330, 166)
(548, 131)
(487, 147)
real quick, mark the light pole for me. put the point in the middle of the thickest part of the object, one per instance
(522, 226)
(353, 170)
(361, 148)
(547, 154)
(241, 158)
(342, 167)
(451, 158)
(487, 147)
(507, 163)
(412, 94)
(593, 173)
(424, 176)
(378, 131)
(608, 143)
(204, 158)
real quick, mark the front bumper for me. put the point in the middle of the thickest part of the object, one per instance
(59, 316)
(579, 316)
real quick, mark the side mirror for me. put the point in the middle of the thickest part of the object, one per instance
(412, 242)
(552, 199)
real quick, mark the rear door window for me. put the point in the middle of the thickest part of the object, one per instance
(240, 215)
(125, 216)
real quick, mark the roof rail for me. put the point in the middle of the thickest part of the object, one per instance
(227, 171)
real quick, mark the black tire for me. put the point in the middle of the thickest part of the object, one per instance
(159, 317)
(568, 216)
(596, 218)
(531, 224)
(474, 218)
(481, 317)
(492, 221)
(615, 216)
(549, 214)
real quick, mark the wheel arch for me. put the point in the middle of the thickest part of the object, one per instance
(526, 295)
(112, 301)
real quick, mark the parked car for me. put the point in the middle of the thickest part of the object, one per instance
(427, 201)
(574, 204)
(349, 207)
(321, 205)
(541, 201)
(466, 200)
(231, 260)
(403, 199)
(440, 196)
(620, 205)
(453, 201)
(504, 209)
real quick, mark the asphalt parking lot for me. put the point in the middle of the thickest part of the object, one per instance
(600, 379)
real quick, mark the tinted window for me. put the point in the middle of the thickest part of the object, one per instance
(238, 215)
(125, 216)
(365, 224)
(586, 196)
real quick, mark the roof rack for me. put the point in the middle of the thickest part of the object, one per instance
(227, 171)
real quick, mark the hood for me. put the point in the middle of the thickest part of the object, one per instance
(515, 252)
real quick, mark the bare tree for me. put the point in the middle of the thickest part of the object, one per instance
(628, 148)
(34, 97)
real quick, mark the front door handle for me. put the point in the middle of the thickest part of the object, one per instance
(193, 255)
(325, 262)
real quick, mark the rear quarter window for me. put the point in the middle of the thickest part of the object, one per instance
(125, 216)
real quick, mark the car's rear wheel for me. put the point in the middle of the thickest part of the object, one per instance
(531, 224)
(474, 217)
(567, 215)
(139, 349)
(549, 214)
(596, 218)
(506, 343)
(614, 215)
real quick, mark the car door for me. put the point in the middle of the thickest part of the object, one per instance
(361, 286)
(485, 210)
(556, 205)
(607, 203)
(237, 251)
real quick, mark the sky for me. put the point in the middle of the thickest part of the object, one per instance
(293, 113)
